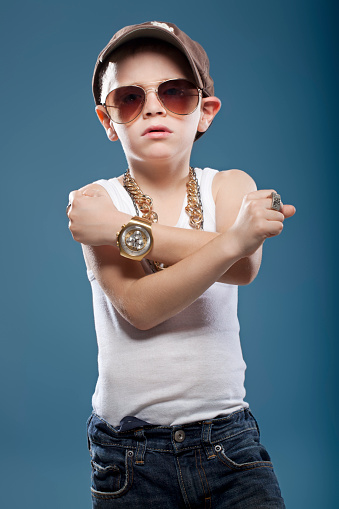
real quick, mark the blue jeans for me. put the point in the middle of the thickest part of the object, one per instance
(215, 464)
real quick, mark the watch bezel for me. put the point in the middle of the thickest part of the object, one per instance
(131, 252)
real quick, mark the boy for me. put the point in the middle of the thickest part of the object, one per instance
(170, 427)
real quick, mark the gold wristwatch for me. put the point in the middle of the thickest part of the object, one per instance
(135, 238)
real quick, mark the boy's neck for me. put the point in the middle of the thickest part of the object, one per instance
(160, 174)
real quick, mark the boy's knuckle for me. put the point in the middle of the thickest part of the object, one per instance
(257, 212)
(75, 201)
(251, 205)
(262, 226)
(247, 198)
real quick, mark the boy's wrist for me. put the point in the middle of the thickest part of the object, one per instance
(113, 226)
(231, 245)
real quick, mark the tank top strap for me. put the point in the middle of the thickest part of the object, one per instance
(205, 178)
(118, 194)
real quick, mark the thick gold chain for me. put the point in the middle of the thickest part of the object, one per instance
(144, 203)
(194, 205)
(141, 201)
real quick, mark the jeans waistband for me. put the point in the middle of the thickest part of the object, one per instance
(172, 438)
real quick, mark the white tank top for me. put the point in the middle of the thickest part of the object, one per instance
(186, 369)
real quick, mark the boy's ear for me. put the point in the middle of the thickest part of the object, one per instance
(209, 108)
(107, 123)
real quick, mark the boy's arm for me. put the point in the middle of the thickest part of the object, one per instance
(146, 301)
(229, 189)
(170, 244)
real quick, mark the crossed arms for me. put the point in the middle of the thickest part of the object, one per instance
(197, 259)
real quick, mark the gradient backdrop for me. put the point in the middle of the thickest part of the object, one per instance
(273, 62)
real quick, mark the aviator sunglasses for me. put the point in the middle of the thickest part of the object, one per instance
(178, 96)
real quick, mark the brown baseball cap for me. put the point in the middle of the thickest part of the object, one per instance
(168, 32)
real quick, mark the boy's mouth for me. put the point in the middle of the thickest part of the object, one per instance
(156, 131)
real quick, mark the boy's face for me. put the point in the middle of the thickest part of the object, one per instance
(149, 68)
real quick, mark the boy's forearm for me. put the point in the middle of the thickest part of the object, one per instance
(172, 245)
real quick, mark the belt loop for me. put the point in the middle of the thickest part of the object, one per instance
(255, 420)
(206, 439)
(141, 446)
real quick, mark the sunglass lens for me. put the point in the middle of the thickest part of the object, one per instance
(179, 96)
(125, 103)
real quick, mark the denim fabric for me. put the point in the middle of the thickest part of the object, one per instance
(213, 464)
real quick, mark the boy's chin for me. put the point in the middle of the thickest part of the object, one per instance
(157, 152)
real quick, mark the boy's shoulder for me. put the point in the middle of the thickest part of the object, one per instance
(232, 182)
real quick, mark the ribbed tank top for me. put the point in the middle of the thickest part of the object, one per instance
(186, 369)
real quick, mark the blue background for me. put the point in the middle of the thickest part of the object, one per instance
(274, 70)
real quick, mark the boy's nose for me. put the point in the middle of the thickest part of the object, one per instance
(152, 105)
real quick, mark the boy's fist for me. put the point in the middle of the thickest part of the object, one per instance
(91, 215)
(256, 221)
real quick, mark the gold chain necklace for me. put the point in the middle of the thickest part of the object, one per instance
(144, 203)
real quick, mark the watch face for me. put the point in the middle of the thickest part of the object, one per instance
(135, 240)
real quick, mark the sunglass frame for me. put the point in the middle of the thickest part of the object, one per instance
(155, 90)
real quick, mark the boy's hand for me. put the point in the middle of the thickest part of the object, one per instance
(92, 216)
(256, 221)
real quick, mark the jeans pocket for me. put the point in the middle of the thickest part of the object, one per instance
(112, 471)
(243, 452)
